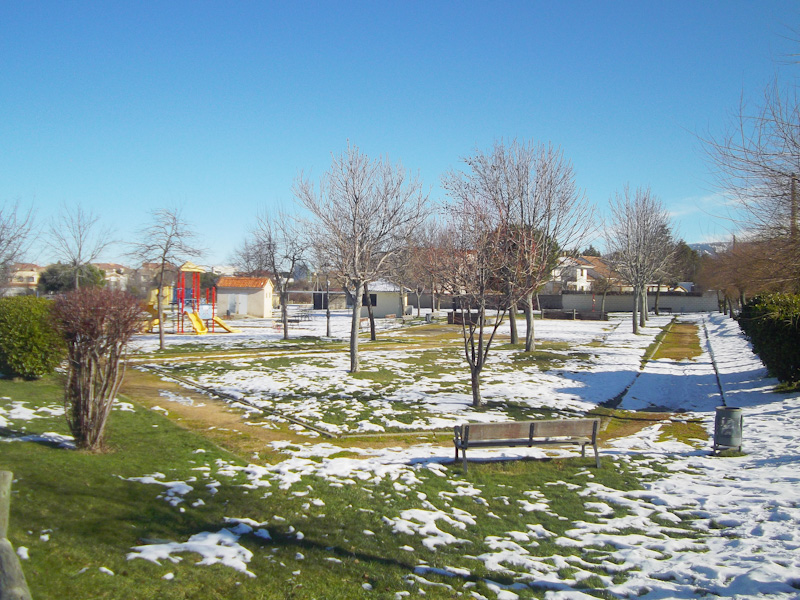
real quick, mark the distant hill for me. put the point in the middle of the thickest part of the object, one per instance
(711, 248)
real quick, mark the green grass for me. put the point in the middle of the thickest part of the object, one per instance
(94, 516)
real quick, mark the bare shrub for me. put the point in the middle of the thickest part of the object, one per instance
(97, 325)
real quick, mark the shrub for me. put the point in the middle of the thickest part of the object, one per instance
(97, 324)
(30, 343)
(772, 323)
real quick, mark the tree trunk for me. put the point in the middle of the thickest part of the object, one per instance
(475, 380)
(530, 343)
(355, 327)
(603, 305)
(327, 309)
(371, 314)
(160, 308)
(643, 309)
(512, 318)
(284, 296)
(635, 313)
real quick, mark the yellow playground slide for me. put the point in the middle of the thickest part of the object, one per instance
(225, 326)
(197, 323)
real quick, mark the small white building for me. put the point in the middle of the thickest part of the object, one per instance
(386, 298)
(245, 296)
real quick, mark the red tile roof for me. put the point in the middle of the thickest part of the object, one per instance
(242, 282)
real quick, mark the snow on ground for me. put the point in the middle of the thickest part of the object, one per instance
(745, 509)
(419, 396)
(748, 508)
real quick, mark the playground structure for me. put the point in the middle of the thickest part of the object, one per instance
(202, 316)
(151, 307)
(194, 309)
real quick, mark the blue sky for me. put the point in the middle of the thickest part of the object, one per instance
(125, 107)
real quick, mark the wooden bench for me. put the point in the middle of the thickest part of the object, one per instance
(579, 432)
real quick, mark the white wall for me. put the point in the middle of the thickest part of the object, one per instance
(244, 301)
(678, 303)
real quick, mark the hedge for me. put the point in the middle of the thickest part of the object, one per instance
(772, 323)
(30, 344)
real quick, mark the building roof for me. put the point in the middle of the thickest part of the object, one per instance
(599, 265)
(110, 266)
(243, 282)
(26, 267)
(382, 285)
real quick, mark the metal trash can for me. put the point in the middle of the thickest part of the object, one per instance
(728, 429)
(429, 318)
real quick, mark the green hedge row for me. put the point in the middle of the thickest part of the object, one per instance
(30, 344)
(772, 323)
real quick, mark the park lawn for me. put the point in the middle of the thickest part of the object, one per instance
(80, 516)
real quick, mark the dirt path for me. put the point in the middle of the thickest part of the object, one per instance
(229, 427)
(242, 432)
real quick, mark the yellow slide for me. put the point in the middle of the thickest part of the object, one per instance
(225, 326)
(199, 327)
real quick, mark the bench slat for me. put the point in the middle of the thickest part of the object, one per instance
(498, 431)
(571, 427)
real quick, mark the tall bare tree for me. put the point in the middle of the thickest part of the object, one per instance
(323, 271)
(15, 231)
(77, 238)
(429, 259)
(474, 255)
(540, 209)
(276, 245)
(365, 209)
(639, 243)
(757, 164)
(167, 239)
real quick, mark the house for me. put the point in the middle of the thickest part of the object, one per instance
(116, 275)
(24, 279)
(149, 272)
(245, 296)
(571, 274)
(222, 270)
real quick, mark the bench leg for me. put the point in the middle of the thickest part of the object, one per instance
(464, 455)
(596, 456)
(583, 450)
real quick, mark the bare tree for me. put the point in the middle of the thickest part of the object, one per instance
(276, 245)
(15, 230)
(409, 271)
(757, 164)
(429, 259)
(77, 239)
(639, 243)
(249, 259)
(366, 210)
(323, 273)
(167, 240)
(96, 324)
(469, 272)
(531, 187)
